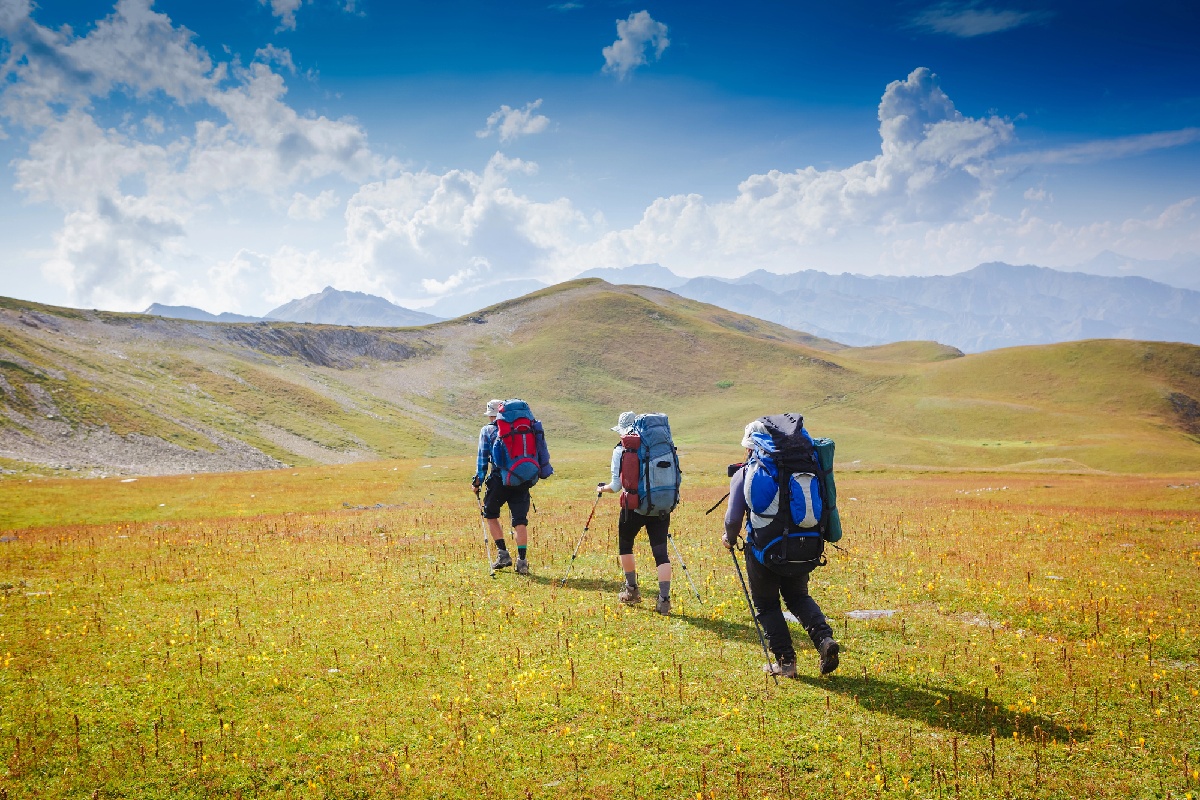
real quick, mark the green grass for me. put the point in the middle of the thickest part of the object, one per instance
(1045, 642)
(583, 352)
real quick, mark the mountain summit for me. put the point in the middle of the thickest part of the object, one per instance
(333, 307)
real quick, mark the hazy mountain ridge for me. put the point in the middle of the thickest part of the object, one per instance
(104, 392)
(327, 307)
(991, 306)
(333, 307)
(196, 314)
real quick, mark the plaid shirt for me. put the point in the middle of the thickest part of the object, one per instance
(487, 438)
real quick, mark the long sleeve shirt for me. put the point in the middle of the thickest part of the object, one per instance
(615, 486)
(487, 437)
(735, 512)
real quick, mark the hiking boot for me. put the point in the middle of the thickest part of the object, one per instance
(829, 655)
(663, 605)
(522, 567)
(784, 668)
(788, 668)
(630, 595)
(503, 559)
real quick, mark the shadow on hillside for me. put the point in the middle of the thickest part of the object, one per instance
(948, 709)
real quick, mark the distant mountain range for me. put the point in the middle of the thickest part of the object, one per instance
(991, 306)
(988, 307)
(328, 307)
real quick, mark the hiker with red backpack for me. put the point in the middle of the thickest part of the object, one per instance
(513, 444)
(784, 494)
(645, 470)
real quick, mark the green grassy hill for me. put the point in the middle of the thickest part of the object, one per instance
(102, 392)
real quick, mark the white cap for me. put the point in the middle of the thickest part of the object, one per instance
(493, 407)
(754, 427)
(624, 422)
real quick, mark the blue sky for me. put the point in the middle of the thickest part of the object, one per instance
(234, 155)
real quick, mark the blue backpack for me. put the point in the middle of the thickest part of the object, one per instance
(789, 504)
(516, 451)
(653, 489)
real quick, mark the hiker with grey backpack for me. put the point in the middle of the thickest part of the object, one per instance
(784, 496)
(645, 470)
(513, 444)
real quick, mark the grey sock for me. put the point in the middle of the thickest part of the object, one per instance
(664, 589)
(631, 579)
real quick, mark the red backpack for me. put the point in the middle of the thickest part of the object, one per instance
(515, 452)
(630, 471)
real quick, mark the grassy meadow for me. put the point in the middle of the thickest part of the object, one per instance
(332, 632)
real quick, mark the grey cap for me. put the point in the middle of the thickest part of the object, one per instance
(624, 422)
(493, 407)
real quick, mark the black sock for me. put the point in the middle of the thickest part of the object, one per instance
(500, 544)
(521, 550)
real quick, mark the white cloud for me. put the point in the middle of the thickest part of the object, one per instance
(967, 20)
(634, 36)
(458, 279)
(934, 165)
(313, 209)
(456, 229)
(510, 123)
(277, 55)
(285, 10)
(1107, 149)
(127, 204)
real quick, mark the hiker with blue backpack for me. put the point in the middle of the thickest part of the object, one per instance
(513, 444)
(784, 496)
(645, 470)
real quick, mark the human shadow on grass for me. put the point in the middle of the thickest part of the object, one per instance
(577, 584)
(949, 709)
(726, 629)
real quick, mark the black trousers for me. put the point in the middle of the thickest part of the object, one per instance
(766, 589)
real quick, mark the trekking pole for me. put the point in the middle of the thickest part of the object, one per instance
(563, 582)
(714, 508)
(761, 639)
(679, 555)
(487, 537)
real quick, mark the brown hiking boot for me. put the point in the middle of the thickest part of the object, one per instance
(630, 595)
(829, 655)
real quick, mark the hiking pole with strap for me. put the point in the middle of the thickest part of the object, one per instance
(579, 544)
(761, 639)
(487, 536)
(714, 508)
(679, 555)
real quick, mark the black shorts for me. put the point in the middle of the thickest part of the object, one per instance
(631, 522)
(497, 494)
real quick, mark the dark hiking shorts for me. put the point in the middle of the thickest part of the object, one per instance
(497, 494)
(631, 522)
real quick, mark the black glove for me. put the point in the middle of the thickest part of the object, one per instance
(475, 482)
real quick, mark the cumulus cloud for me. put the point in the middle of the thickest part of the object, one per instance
(934, 165)
(510, 123)
(967, 20)
(455, 229)
(127, 203)
(313, 209)
(635, 36)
